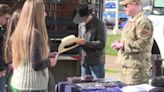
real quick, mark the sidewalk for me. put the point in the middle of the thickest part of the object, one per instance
(113, 67)
(110, 31)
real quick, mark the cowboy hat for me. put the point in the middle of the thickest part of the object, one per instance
(81, 12)
(68, 43)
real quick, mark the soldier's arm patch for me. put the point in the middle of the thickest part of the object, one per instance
(144, 33)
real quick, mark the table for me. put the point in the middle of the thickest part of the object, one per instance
(96, 86)
(82, 87)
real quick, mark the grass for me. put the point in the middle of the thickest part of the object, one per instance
(110, 39)
(110, 70)
(110, 51)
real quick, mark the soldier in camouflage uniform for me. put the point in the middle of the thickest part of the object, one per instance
(135, 45)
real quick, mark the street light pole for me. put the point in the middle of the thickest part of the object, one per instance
(115, 29)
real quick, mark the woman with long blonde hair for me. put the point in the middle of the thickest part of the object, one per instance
(30, 50)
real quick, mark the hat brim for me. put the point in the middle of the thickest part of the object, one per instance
(123, 3)
(77, 19)
(66, 41)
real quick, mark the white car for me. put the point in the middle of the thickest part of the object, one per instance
(157, 18)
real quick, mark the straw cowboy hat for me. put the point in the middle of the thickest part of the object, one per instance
(81, 12)
(68, 43)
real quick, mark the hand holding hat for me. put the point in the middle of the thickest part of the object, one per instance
(68, 43)
(82, 42)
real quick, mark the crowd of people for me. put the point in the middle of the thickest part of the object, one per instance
(25, 49)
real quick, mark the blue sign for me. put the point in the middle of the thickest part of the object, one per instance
(110, 5)
(113, 14)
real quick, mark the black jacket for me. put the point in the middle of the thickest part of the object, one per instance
(94, 48)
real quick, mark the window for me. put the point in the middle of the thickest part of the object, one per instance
(158, 7)
(159, 3)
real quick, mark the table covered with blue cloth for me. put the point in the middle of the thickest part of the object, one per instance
(103, 86)
(93, 86)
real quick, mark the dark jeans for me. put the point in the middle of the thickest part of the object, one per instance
(3, 84)
(96, 71)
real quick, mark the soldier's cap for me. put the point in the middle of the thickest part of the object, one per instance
(125, 2)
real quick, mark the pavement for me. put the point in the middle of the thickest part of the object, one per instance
(113, 66)
(111, 31)
(110, 62)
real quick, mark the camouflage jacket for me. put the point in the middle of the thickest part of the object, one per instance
(138, 41)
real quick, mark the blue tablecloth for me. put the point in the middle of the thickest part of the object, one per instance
(71, 87)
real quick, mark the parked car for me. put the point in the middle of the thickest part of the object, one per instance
(109, 19)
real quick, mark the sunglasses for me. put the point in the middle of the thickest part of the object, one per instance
(126, 5)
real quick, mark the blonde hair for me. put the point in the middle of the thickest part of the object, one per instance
(31, 18)
(10, 28)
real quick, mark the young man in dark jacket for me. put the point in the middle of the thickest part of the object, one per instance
(94, 41)
(4, 16)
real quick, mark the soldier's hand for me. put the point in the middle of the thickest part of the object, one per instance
(119, 45)
(116, 45)
(113, 44)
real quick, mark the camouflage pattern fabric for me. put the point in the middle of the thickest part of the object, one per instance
(136, 54)
(135, 76)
